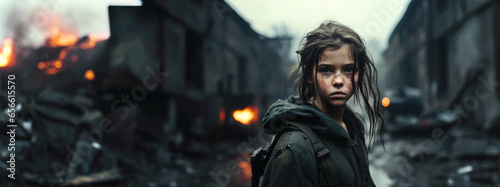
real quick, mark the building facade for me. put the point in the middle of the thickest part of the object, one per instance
(210, 61)
(449, 50)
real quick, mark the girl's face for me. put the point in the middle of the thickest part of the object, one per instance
(334, 76)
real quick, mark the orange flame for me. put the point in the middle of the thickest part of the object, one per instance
(59, 39)
(245, 168)
(52, 71)
(246, 116)
(92, 41)
(222, 115)
(69, 40)
(386, 102)
(57, 64)
(41, 65)
(89, 75)
(6, 56)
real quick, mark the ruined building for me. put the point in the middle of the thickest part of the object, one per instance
(449, 50)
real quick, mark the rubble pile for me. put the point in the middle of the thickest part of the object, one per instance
(57, 145)
(465, 157)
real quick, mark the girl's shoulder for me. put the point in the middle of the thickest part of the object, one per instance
(294, 143)
(292, 162)
(296, 139)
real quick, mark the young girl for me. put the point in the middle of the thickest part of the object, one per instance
(334, 65)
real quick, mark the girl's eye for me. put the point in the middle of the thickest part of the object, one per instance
(325, 70)
(349, 70)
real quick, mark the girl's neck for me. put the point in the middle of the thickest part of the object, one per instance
(336, 113)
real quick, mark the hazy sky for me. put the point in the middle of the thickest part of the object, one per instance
(85, 16)
(373, 20)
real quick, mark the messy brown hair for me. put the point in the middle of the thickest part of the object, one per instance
(331, 34)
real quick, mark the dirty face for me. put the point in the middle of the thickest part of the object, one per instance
(334, 76)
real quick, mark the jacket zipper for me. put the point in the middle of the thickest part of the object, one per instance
(355, 149)
(357, 155)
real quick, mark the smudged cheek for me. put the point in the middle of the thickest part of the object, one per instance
(349, 84)
(322, 81)
(349, 88)
(323, 85)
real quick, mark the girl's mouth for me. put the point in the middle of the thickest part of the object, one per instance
(337, 95)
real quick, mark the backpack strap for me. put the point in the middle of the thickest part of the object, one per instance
(259, 159)
(321, 153)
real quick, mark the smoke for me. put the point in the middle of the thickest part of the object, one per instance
(30, 22)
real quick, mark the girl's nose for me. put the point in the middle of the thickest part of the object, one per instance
(337, 80)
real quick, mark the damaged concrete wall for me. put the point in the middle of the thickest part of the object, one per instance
(211, 56)
(445, 49)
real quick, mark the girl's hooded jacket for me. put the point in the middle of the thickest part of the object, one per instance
(293, 161)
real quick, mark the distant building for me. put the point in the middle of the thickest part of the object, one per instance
(450, 50)
(216, 63)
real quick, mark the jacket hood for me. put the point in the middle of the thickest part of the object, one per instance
(294, 110)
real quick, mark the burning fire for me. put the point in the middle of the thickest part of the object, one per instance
(93, 39)
(245, 168)
(386, 102)
(60, 39)
(89, 75)
(6, 55)
(246, 116)
(69, 41)
(222, 115)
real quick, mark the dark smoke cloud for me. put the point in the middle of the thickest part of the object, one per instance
(30, 21)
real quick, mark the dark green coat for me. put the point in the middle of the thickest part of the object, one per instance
(293, 161)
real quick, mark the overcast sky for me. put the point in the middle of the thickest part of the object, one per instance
(373, 20)
(85, 16)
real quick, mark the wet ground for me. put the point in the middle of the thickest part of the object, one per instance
(223, 166)
(461, 157)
